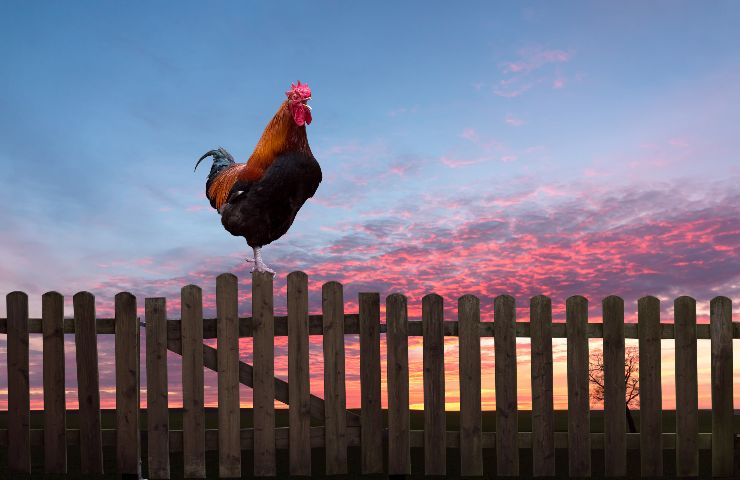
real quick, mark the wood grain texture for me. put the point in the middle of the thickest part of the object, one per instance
(687, 401)
(158, 424)
(299, 375)
(722, 408)
(264, 373)
(193, 418)
(229, 447)
(651, 394)
(370, 415)
(471, 453)
(88, 386)
(579, 416)
(507, 426)
(435, 453)
(55, 414)
(615, 417)
(543, 422)
(19, 403)
(128, 449)
(399, 446)
(335, 403)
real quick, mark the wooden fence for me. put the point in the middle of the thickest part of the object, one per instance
(341, 428)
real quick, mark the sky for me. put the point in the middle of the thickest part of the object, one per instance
(485, 148)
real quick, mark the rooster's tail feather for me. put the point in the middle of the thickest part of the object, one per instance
(222, 160)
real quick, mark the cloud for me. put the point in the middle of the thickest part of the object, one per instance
(514, 121)
(534, 65)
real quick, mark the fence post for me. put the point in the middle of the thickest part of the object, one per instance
(335, 404)
(264, 372)
(651, 396)
(371, 431)
(88, 386)
(507, 428)
(399, 453)
(158, 424)
(615, 418)
(193, 418)
(543, 426)
(55, 410)
(687, 421)
(471, 442)
(19, 404)
(435, 446)
(229, 451)
(722, 407)
(299, 375)
(579, 416)
(128, 452)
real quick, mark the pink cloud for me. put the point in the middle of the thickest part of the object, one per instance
(533, 66)
(514, 121)
(460, 162)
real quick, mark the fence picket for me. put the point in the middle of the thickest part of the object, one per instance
(264, 372)
(722, 407)
(507, 448)
(335, 439)
(88, 387)
(471, 439)
(19, 402)
(435, 453)
(399, 453)
(579, 416)
(543, 423)
(55, 414)
(371, 448)
(687, 420)
(128, 451)
(299, 375)
(615, 418)
(158, 425)
(229, 447)
(651, 396)
(193, 418)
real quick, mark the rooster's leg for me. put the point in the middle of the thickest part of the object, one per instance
(259, 265)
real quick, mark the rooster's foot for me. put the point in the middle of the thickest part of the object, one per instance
(260, 267)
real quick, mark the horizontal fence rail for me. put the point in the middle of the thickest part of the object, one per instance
(326, 423)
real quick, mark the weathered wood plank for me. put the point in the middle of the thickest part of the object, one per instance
(128, 449)
(615, 418)
(229, 447)
(543, 423)
(370, 415)
(722, 408)
(299, 375)
(264, 373)
(651, 395)
(19, 400)
(507, 450)
(435, 454)
(193, 418)
(471, 453)
(88, 387)
(399, 449)
(579, 416)
(335, 404)
(55, 413)
(158, 424)
(687, 401)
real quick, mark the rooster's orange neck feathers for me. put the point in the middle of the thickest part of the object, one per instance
(281, 135)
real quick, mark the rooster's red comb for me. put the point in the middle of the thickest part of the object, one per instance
(298, 91)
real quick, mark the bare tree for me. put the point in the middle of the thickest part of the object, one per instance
(631, 379)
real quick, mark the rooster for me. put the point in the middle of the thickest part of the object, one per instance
(259, 200)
